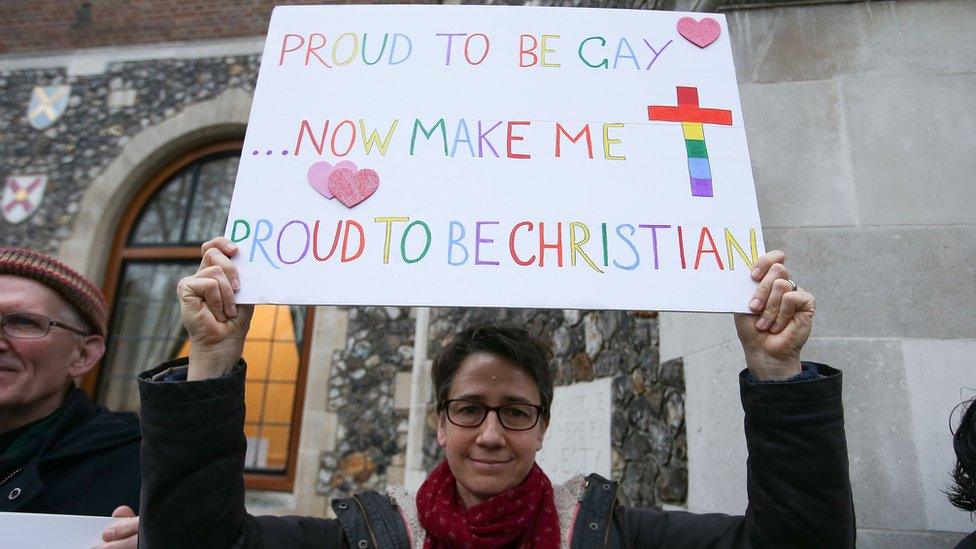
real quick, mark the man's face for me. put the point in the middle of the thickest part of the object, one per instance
(35, 372)
(489, 459)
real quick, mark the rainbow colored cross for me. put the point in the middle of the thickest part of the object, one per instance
(692, 117)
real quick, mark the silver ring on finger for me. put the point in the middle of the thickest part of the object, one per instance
(793, 285)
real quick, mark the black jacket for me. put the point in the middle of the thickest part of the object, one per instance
(968, 542)
(193, 489)
(88, 464)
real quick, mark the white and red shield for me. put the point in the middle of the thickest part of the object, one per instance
(22, 194)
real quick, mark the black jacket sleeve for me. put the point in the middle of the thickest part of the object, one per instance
(797, 477)
(193, 470)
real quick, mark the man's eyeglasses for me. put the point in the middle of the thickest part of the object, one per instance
(515, 417)
(31, 326)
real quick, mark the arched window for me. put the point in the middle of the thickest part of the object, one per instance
(157, 244)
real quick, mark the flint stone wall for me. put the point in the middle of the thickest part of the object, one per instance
(371, 432)
(104, 112)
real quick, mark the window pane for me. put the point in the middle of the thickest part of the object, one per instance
(267, 447)
(278, 438)
(191, 207)
(145, 329)
(161, 220)
(278, 403)
(215, 184)
(272, 355)
(254, 397)
(284, 363)
(257, 354)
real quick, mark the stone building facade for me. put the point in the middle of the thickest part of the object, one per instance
(104, 112)
(870, 198)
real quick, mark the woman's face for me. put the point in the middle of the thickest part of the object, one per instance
(490, 459)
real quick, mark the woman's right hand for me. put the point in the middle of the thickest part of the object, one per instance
(215, 323)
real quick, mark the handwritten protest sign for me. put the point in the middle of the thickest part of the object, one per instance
(496, 156)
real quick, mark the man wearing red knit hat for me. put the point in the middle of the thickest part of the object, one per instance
(58, 452)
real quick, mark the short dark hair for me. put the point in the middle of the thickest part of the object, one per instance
(511, 343)
(963, 493)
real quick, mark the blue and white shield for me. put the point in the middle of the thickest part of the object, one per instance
(47, 104)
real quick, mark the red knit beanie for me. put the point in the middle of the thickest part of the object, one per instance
(72, 285)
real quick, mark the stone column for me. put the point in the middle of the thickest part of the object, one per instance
(419, 396)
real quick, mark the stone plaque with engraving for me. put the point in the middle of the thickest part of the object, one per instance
(578, 439)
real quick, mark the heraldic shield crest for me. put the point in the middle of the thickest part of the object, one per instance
(22, 194)
(47, 104)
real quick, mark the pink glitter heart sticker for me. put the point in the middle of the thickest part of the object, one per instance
(351, 187)
(700, 33)
(318, 175)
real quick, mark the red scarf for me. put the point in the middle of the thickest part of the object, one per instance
(525, 514)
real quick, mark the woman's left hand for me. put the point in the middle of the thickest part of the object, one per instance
(773, 337)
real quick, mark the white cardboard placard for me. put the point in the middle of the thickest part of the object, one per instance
(517, 156)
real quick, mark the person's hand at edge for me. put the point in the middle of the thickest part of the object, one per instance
(122, 534)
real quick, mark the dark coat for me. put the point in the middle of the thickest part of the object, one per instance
(88, 464)
(193, 450)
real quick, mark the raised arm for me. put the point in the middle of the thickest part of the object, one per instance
(214, 322)
(797, 471)
(193, 429)
(773, 337)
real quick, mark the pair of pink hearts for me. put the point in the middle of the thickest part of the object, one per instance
(700, 33)
(343, 181)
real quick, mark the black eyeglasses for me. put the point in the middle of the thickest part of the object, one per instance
(31, 326)
(515, 417)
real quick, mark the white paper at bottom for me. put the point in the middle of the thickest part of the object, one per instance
(43, 531)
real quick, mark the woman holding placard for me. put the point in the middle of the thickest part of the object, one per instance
(493, 390)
